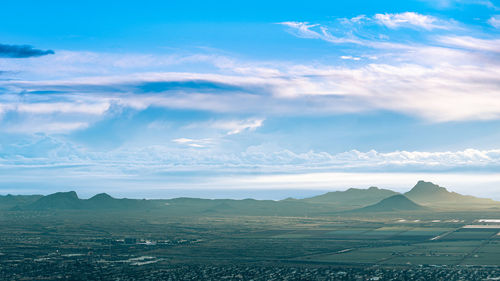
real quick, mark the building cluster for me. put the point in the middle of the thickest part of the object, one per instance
(81, 267)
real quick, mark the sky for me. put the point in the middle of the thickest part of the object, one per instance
(249, 99)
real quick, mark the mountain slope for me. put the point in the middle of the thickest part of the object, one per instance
(104, 201)
(9, 201)
(427, 193)
(59, 200)
(353, 197)
(394, 203)
(70, 201)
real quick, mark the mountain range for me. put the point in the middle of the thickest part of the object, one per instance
(424, 196)
(69, 200)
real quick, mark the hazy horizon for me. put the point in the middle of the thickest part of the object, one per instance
(264, 193)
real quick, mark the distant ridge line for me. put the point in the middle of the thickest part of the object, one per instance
(423, 196)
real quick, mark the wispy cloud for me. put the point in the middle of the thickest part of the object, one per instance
(411, 19)
(58, 107)
(350, 58)
(438, 84)
(495, 21)
(302, 29)
(454, 3)
(305, 30)
(22, 51)
(45, 127)
(233, 127)
(472, 43)
(196, 143)
(361, 30)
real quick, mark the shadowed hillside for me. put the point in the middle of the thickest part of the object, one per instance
(353, 197)
(59, 200)
(394, 203)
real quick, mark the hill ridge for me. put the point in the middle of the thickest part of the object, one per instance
(423, 193)
(397, 202)
(428, 193)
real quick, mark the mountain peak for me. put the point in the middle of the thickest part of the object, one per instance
(101, 196)
(428, 193)
(427, 187)
(67, 194)
(58, 200)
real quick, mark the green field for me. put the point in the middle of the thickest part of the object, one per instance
(383, 241)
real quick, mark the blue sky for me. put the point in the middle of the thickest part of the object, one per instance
(157, 98)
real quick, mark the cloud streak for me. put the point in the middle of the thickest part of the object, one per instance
(196, 143)
(305, 30)
(410, 19)
(454, 3)
(22, 51)
(440, 92)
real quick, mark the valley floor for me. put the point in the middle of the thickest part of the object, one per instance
(154, 246)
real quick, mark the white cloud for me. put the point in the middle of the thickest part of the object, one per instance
(69, 64)
(472, 43)
(495, 21)
(453, 3)
(358, 19)
(410, 19)
(234, 127)
(182, 140)
(372, 159)
(350, 58)
(196, 143)
(455, 81)
(276, 168)
(446, 85)
(269, 158)
(66, 107)
(44, 156)
(357, 30)
(53, 127)
(305, 30)
(302, 29)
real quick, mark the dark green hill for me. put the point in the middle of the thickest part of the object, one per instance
(104, 201)
(101, 197)
(59, 200)
(70, 201)
(352, 197)
(9, 201)
(394, 203)
(427, 193)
